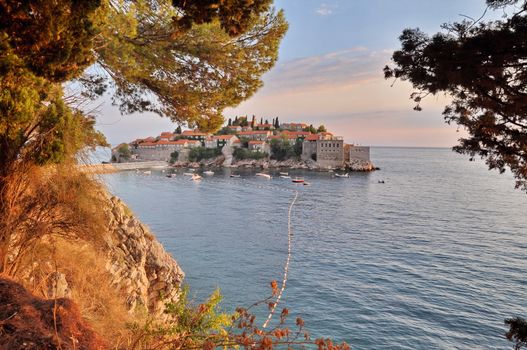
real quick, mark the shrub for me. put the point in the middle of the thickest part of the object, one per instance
(281, 149)
(244, 153)
(198, 153)
(173, 157)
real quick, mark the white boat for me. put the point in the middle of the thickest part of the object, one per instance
(191, 170)
(298, 180)
(284, 173)
(208, 172)
(196, 177)
(188, 174)
(148, 172)
(285, 176)
(267, 176)
(342, 175)
(235, 175)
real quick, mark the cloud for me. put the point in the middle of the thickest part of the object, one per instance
(336, 69)
(346, 90)
(325, 9)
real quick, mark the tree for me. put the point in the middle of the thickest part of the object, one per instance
(261, 121)
(517, 332)
(234, 16)
(190, 77)
(229, 123)
(124, 151)
(178, 130)
(277, 123)
(311, 129)
(483, 68)
(36, 56)
(321, 128)
(253, 122)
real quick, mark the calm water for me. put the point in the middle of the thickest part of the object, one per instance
(434, 258)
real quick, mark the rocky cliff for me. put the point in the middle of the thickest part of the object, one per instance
(141, 269)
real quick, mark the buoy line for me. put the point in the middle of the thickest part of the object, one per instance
(286, 266)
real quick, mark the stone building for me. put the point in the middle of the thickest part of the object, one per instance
(328, 152)
(359, 153)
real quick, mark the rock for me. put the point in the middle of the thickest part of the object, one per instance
(58, 286)
(141, 268)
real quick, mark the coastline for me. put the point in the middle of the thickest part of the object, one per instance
(218, 162)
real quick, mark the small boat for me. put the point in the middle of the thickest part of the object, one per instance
(235, 175)
(208, 172)
(342, 175)
(267, 176)
(196, 177)
(284, 173)
(188, 174)
(285, 176)
(298, 180)
(381, 181)
(306, 184)
(170, 175)
(191, 170)
(148, 172)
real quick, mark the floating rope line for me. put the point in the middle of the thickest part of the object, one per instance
(286, 266)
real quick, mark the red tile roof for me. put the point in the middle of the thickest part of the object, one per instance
(257, 132)
(312, 137)
(223, 137)
(256, 142)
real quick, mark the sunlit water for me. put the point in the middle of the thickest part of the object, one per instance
(433, 258)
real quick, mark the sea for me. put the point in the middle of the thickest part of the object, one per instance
(433, 258)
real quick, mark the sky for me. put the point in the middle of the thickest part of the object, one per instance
(330, 72)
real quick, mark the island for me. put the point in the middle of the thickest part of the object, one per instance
(244, 143)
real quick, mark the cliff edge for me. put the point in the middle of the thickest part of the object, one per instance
(141, 269)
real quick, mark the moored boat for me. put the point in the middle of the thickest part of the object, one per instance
(298, 180)
(208, 172)
(342, 175)
(196, 177)
(267, 176)
(235, 175)
(285, 176)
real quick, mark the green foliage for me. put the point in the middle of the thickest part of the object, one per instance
(297, 148)
(321, 128)
(189, 78)
(234, 16)
(244, 153)
(124, 151)
(244, 141)
(226, 131)
(178, 130)
(241, 121)
(281, 149)
(311, 129)
(204, 318)
(482, 66)
(173, 157)
(51, 39)
(198, 153)
(42, 44)
(517, 332)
